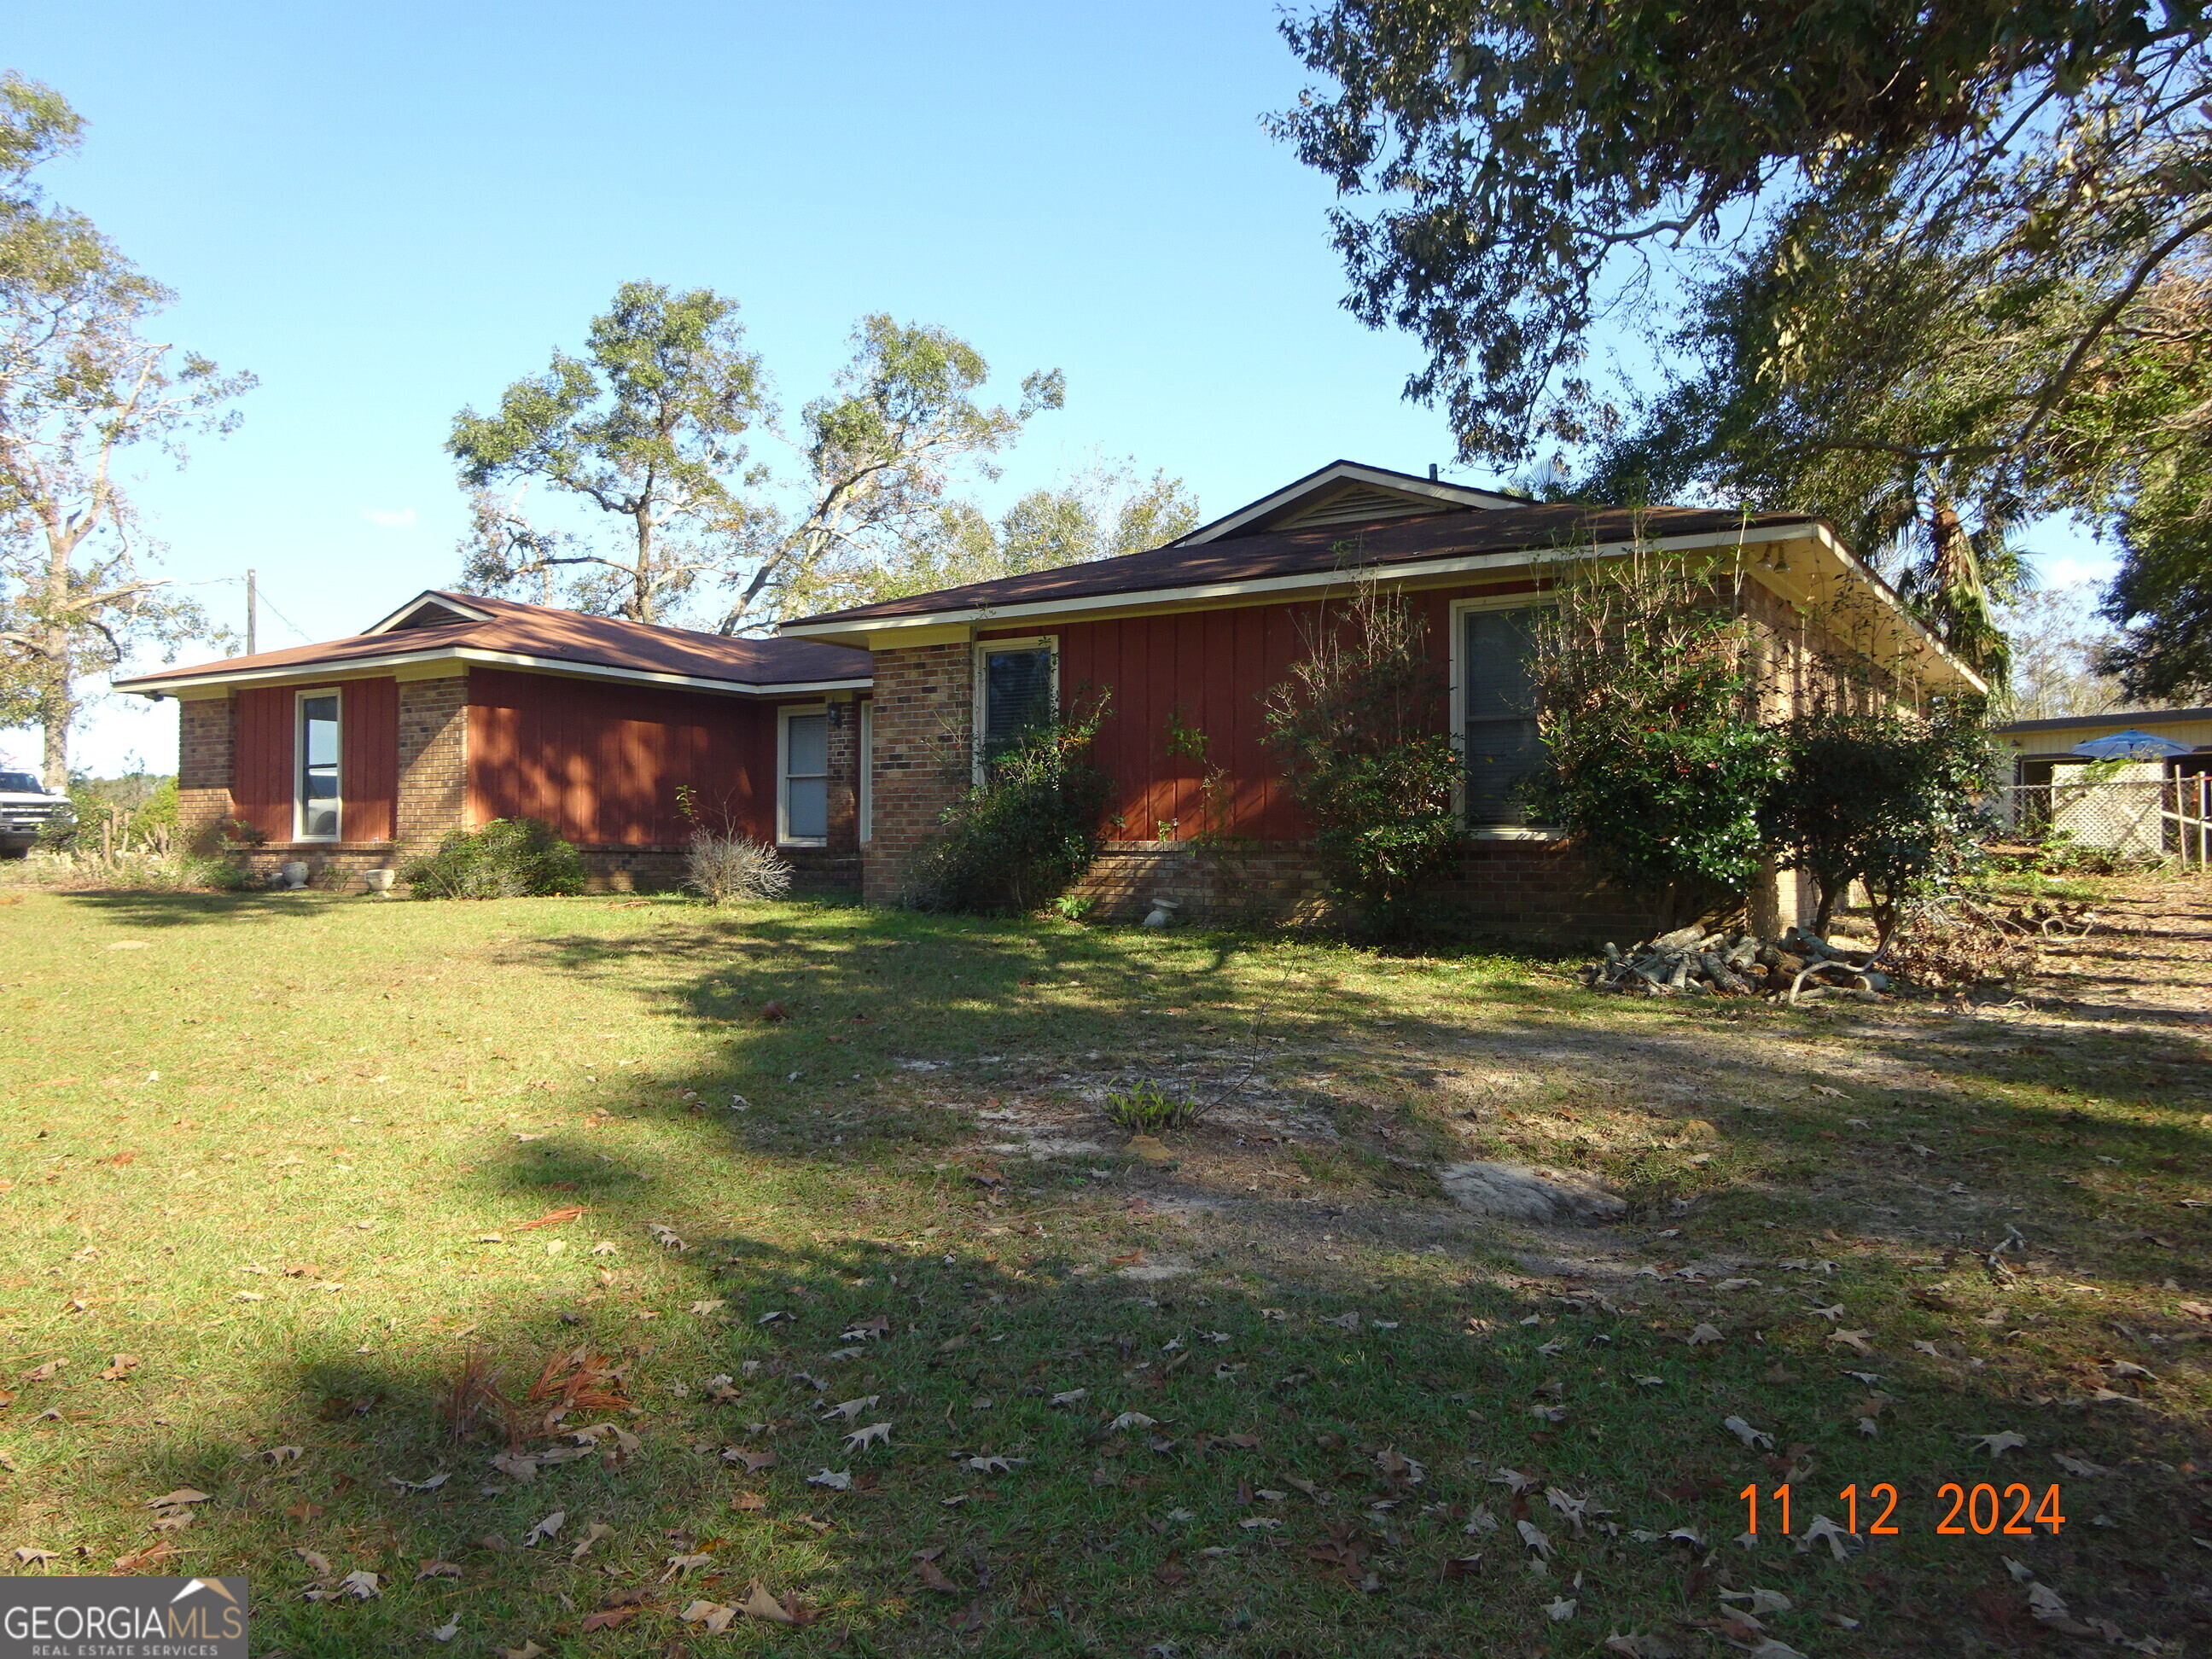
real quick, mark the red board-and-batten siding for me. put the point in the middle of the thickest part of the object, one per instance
(602, 761)
(1211, 669)
(266, 749)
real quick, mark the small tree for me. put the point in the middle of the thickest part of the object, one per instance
(1360, 729)
(1023, 836)
(1887, 799)
(1646, 684)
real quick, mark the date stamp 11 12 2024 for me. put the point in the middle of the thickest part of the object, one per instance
(2016, 1511)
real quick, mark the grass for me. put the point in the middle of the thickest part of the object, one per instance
(361, 1192)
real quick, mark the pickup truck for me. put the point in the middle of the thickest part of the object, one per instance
(26, 812)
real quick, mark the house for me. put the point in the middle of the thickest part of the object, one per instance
(844, 738)
(454, 709)
(1187, 639)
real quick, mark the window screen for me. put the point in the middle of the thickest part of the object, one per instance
(806, 777)
(1500, 714)
(318, 767)
(1017, 696)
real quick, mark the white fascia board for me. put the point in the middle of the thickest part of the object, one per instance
(1305, 581)
(427, 596)
(1342, 472)
(153, 684)
(1925, 634)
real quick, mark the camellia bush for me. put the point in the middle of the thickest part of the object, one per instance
(1885, 798)
(1646, 684)
(1360, 729)
(1019, 839)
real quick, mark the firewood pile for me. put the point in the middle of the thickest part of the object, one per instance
(1691, 962)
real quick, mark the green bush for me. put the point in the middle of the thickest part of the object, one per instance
(508, 857)
(1359, 727)
(1647, 688)
(1885, 798)
(1018, 840)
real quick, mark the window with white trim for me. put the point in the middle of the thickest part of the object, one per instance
(316, 810)
(802, 782)
(1017, 691)
(1496, 712)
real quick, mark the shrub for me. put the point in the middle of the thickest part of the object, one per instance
(1360, 729)
(1146, 1109)
(725, 868)
(508, 857)
(1646, 687)
(1019, 839)
(1885, 798)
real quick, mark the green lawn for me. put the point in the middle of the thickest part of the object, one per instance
(293, 1184)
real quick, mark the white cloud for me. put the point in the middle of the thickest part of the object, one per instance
(389, 518)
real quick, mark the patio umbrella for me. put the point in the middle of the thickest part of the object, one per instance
(2131, 744)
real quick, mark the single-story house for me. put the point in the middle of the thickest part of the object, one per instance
(455, 709)
(845, 737)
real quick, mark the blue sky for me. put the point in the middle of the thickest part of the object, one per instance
(388, 212)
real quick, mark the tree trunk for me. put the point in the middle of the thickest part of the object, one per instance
(57, 697)
(1824, 911)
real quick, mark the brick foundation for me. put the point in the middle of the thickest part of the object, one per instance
(1540, 890)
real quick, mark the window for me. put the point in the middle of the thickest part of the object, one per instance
(316, 805)
(1016, 690)
(867, 770)
(1497, 713)
(803, 806)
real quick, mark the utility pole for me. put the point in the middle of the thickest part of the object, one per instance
(249, 613)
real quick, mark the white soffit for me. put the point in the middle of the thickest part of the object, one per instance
(1342, 477)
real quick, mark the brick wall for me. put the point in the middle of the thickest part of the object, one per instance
(922, 724)
(844, 791)
(433, 760)
(207, 742)
(1541, 890)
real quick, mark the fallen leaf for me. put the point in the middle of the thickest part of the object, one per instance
(2001, 1443)
(1534, 1539)
(1135, 1420)
(1561, 1608)
(835, 1479)
(361, 1585)
(680, 1565)
(759, 1604)
(1071, 1396)
(46, 1372)
(754, 1462)
(715, 1615)
(431, 1485)
(527, 1651)
(592, 1534)
(120, 1367)
(172, 1499)
(447, 1632)
(851, 1409)
(31, 1555)
(432, 1570)
(1750, 1436)
(749, 1500)
(1703, 1333)
(1855, 1340)
(875, 1433)
(551, 1218)
(545, 1528)
(612, 1617)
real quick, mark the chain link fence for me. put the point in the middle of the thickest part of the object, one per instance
(2151, 818)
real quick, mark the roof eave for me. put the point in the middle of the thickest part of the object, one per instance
(154, 685)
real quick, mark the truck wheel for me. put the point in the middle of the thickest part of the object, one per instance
(15, 852)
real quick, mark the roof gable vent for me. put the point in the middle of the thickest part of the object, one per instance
(1358, 504)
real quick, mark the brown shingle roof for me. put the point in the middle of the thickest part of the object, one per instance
(556, 636)
(1296, 552)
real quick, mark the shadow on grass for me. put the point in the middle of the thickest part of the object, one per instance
(1085, 1448)
(153, 910)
